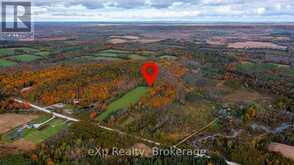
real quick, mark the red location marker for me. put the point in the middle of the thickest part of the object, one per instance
(150, 72)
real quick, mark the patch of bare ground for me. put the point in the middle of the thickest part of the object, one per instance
(177, 136)
(241, 96)
(9, 121)
(118, 41)
(216, 41)
(127, 37)
(285, 150)
(131, 39)
(16, 147)
(148, 41)
(24, 145)
(146, 150)
(271, 38)
(256, 45)
(7, 149)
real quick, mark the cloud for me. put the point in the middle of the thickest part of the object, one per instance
(164, 9)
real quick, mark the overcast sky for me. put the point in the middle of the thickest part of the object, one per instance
(164, 10)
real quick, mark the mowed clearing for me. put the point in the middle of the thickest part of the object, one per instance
(127, 100)
(10, 121)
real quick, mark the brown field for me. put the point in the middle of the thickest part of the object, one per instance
(286, 150)
(251, 44)
(216, 41)
(118, 41)
(131, 39)
(18, 146)
(244, 96)
(127, 37)
(9, 121)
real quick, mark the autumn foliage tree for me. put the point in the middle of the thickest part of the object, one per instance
(88, 83)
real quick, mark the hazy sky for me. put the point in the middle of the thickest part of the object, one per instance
(164, 10)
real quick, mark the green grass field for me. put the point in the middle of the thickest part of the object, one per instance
(6, 63)
(31, 50)
(252, 67)
(106, 58)
(114, 51)
(52, 128)
(6, 52)
(26, 58)
(125, 101)
(13, 51)
(110, 55)
(136, 57)
(168, 57)
(43, 54)
(37, 135)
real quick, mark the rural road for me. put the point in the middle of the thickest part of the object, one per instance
(103, 127)
(77, 120)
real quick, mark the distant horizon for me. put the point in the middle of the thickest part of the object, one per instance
(168, 22)
(163, 11)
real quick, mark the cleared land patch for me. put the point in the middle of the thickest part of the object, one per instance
(125, 101)
(32, 135)
(26, 58)
(10, 121)
(6, 52)
(38, 135)
(256, 45)
(244, 96)
(6, 63)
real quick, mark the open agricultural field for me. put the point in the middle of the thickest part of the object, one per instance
(51, 129)
(6, 63)
(127, 100)
(10, 121)
(13, 56)
(25, 58)
(35, 135)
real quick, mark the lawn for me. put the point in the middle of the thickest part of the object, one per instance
(6, 63)
(52, 128)
(125, 101)
(26, 58)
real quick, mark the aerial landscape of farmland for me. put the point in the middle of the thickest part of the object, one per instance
(149, 83)
(218, 90)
